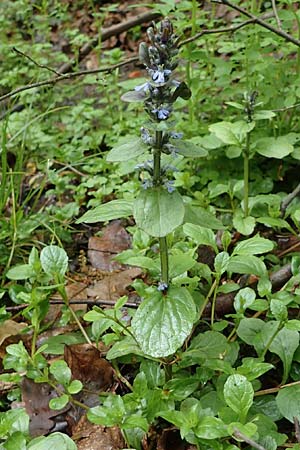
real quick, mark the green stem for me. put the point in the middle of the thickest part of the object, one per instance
(213, 303)
(163, 245)
(271, 340)
(246, 176)
(168, 372)
(3, 195)
(164, 260)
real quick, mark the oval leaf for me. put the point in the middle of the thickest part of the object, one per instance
(163, 322)
(158, 212)
(186, 148)
(53, 442)
(108, 211)
(288, 402)
(54, 260)
(251, 265)
(201, 235)
(238, 394)
(129, 150)
(274, 147)
(253, 246)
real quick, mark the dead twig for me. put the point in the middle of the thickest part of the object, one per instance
(276, 14)
(288, 199)
(239, 435)
(42, 66)
(259, 21)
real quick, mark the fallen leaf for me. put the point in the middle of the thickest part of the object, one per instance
(89, 436)
(36, 397)
(102, 249)
(114, 286)
(10, 328)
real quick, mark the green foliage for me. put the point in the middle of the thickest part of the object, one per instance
(201, 370)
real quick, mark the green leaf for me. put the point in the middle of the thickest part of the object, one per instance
(158, 212)
(127, 151)
(243, 299)
(224, 131)
(202, 217)
(21, 272)
(221, 262)
(188, 149)
(54, 260)
(133, 96)
(54, 441)
(275, 222)
(61, 372)
(263, 115)
(274, 147)
(201, 235)
(253, 368)
(288, 402)
(238, 394)
(251, 265)
(284, 345)
(180, 263)
(108, 211)
(278, 309)
(208, 345)
(74, 387)
(244, 225)
(211, 428)
(58, 403)
(134, 421)
(144, 262)
(162, 322)
(111, 413)
(253, 246)
(124, 347)
(15, 441)
(180, 388)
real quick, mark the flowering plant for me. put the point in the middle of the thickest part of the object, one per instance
(167, 313)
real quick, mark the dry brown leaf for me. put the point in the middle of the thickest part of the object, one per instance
(102, 249)
(10, 328)
(114, 286)
(89, 436)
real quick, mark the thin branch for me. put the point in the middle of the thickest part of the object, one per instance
(286, 108)
(42, 66)
(288, 199)
(276, 14)
(239, 435)
(78, 302)
(223, 30)
(259, 21)
(67, 76)
(297, 429)
(108, 69)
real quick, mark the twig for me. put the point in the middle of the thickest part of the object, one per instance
(297, 429)
(67, 76)
(42, 66)
(286, 108)
(108, 69)
(276, 14)
(222, 30)
(78, 302)
(288, 199)
(239, 435)
(259, 21)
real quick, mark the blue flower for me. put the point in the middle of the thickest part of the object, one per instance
(146, 184)
(162, 286)
(145, 136)
(160, 76)
(175, 135)
(142, 87)
(169, 184)
(162, 113)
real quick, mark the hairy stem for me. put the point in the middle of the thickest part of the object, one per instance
(164, 260)
(246, 180)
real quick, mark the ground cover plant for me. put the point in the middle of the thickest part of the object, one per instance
(150, 225)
